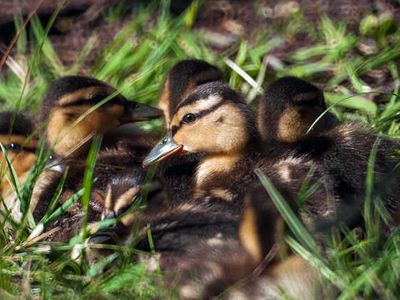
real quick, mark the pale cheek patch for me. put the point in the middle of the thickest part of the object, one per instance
(289, 127)
(233, 132)
(25, 161)
(197, 136)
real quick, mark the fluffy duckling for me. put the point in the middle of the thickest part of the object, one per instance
(289, 108)
(70, 104)
(123, 186)
(340, 150)
(16, 137)
(216, 121)
(204, 251)
(193, 243)
(75, 109)
(168, 222)
(176, 174)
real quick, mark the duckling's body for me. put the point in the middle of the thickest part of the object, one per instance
(204, 250)
(281, 273)
(341, 151)
(177, 173)
(191, 240)
(67, 102)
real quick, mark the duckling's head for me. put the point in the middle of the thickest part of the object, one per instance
(76, 108)
(120, 194)
(289, 108)
(213, 120)
(16, 137)
(123, 199)
(183, 78)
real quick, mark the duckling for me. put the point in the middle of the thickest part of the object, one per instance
(205, 251)
(289, 108)
(73, 113)
(216, 121)
(123, 186)
(68, 101)
(340, 150)
(16, 132)
(176, 174)
(190, 240)
(168, 221)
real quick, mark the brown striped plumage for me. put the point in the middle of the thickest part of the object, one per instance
(341, 151)
(76, 109)
(16, 136)
(177, 173)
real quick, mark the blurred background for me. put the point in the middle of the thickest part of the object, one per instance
(348, 48)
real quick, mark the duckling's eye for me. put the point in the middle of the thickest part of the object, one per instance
(189, 118)
(133, 105)
(14, 147)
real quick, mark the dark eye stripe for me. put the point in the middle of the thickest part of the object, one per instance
(19, 148)
(198, 115)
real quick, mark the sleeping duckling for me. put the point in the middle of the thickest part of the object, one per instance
(16, 137)
(340, 150)
(177, 173)
(216, 121)
(73, 120)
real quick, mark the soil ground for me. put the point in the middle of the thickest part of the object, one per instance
(224, 22)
